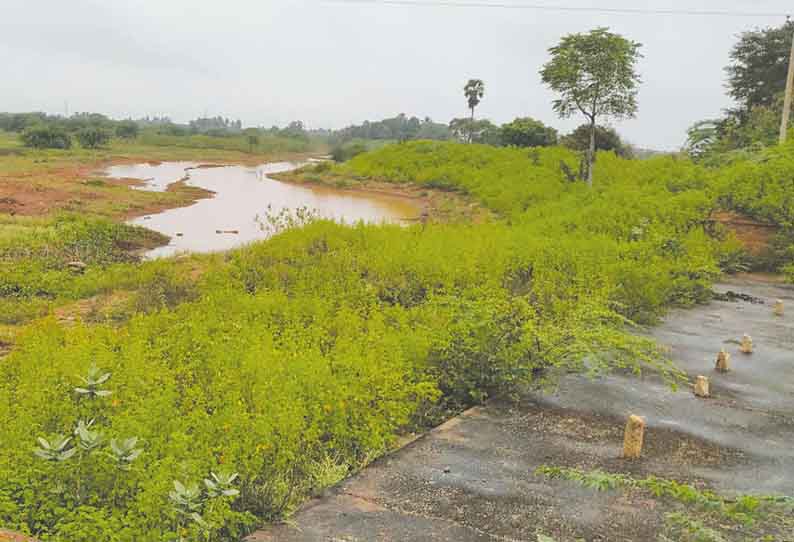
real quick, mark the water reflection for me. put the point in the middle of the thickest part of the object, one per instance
(241, 194)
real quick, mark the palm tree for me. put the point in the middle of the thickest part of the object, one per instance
(474, 91)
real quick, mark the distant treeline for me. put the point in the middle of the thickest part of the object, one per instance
(521, 132)
(399, 128)
(92, 130)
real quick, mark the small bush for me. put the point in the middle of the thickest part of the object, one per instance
(46, 136)
(127, 129)
(346, 151)
(93, 137)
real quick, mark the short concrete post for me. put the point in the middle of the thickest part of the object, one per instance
(702, 388)
(747, 345)
(779, 307)
(633, 437)
(723, 361)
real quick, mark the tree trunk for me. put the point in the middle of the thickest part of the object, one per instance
(591, 153)
(471, 127)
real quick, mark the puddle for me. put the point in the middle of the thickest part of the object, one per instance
(157, 176)
(241, 194)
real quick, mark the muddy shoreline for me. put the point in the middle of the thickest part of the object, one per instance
(436, 205)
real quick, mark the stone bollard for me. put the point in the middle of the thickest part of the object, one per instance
(779, 307)
(723, 361)
(702, 388)
(632, 438)
(747, 345)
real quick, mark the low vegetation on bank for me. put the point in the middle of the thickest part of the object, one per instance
(293, 362)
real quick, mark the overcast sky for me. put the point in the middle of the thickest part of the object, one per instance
(331, 63)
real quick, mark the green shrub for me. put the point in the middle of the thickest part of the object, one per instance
(127, 129)
(93, 137)
(46, 136)
(345, 151)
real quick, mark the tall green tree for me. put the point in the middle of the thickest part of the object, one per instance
(595, 74)
(759, 65)
(756, 81)
(474, 92)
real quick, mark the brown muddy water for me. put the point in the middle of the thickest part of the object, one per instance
(241, 195)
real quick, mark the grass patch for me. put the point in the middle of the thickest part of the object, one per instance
(700, 515)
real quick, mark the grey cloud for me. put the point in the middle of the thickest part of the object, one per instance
(330, 64)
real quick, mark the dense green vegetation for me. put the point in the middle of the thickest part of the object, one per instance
(295, 361)
(756, 81)
(195, 398)
(92, 130)
(35, 258)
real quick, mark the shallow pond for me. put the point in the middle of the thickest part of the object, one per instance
(241, 195)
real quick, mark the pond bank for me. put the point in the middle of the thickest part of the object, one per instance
(437, 205)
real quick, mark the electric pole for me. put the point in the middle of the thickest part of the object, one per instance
(787, 100)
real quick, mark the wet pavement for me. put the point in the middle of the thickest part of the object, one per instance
(473, 480)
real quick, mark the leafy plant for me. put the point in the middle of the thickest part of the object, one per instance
(683, 528)
(186, 499)
(88, 440)
(55, 448)
(92, 382)
(124, 452)
(221, 485)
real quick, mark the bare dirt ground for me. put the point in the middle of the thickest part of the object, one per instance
(755, 236)
(79, 187)
(473, 479)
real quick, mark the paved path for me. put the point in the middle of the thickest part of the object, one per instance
(471, 480)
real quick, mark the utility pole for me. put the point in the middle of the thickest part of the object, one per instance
(787, 100)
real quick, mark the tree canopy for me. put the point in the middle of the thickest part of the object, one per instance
(757, 81)
(606, 139)
(759, 66)
(595, 75)
(399, 128)
(474, 92)
(475, 131)
(528, 132)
